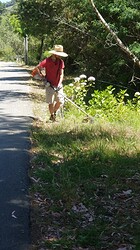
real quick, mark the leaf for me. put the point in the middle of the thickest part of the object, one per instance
(13, 215)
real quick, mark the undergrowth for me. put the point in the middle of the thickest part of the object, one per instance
(85, 176)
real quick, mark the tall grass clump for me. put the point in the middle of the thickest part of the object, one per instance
(87, 175)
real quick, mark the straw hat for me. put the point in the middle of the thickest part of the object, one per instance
(58, 50)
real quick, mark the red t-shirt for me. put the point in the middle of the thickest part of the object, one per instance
(52, 70)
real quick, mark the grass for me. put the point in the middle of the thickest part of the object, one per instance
(85, 183)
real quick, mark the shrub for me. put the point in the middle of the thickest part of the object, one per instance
(102, 103)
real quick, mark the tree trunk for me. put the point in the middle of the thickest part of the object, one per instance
(125, 49)
(40, 49)
(26, 49)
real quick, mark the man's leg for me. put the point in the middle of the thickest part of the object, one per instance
(56, 106)
(51, 108)
(55, 100)
(50, 100)
(59, 98)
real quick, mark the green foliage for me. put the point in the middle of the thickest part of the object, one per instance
(35, 17)
(107, 103)
(75, 25)
(15, 22)
(135, 48)
(103, 99)
(79, 92)
(11, 43)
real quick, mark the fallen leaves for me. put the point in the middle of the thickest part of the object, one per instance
(13, 215)
(117, 209)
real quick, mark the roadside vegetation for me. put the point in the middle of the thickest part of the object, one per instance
(109, 49)
(86, 172)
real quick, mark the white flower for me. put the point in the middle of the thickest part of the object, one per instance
(91, 78)
(83, 76)
(83, 83)
(78, 88)
(77, 79)
(71, 84)
(137, 94)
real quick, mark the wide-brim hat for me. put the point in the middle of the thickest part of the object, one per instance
(58, 50)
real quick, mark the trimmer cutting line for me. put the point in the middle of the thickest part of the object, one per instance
(82, 110)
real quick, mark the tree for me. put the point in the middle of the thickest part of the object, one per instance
(11, 43)
(125, 49)
(92, 48)
(35, 19)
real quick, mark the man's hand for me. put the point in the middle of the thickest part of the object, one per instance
(36, 73)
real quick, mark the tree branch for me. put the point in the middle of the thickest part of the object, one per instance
(125, 49)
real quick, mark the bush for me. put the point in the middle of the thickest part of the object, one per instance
(102, 103)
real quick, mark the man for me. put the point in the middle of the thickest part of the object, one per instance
(54, 74)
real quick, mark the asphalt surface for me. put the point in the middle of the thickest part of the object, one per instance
(15, 122)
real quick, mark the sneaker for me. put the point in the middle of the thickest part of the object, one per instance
(52, 118)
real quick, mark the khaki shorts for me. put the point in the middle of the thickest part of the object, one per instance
(53, 96)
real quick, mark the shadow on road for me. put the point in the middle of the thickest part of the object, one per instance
(14, 95)
(15, 122)
(14, 182)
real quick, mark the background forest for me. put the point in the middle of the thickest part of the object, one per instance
(91, 48)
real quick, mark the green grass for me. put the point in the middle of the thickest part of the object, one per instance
(82, 172)
(86, 179)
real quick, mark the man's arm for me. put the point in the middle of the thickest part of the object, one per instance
(37, 71)
(61, 77)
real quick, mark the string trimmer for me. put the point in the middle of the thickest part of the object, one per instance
(36, 76)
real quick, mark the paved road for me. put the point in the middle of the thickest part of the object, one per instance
(15, 121)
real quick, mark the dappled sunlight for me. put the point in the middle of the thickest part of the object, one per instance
(15, 122)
